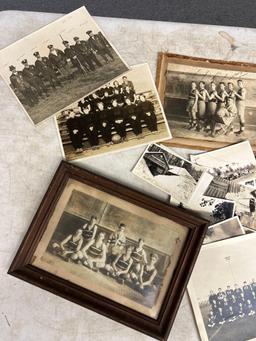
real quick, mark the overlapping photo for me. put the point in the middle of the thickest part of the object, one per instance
(123, 113)
(59, 63)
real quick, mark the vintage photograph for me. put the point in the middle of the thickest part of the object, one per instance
(230, 163)
(163, 168)
(56, 65)
(111, 247)
(212, 209)
(222, 290)
(208, 103)
(226, 229)
(121, 114)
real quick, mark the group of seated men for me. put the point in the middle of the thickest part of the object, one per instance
(34, 81)
(231, 304)
(114, 257)
(107, 112)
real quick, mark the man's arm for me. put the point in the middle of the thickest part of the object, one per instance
(62, 244)
(149, 282)
(86, 247)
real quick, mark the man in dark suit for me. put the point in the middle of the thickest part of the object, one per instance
(105, 122)
(70, 53)
(147, 111)
(21, 87)
(30, 75)
(75, 131)
(90, 126)
(99, 45)
(119, 120)
(45, 71)
(128, 83)
(59, 61)
(133, 116)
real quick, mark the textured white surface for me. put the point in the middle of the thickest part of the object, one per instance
(29, 157)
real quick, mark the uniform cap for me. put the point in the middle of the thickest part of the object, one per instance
(36, 54)
(76, 38)
(88, 32)
(11, 67)
(65, 42)
(24, 61)
(50, 46)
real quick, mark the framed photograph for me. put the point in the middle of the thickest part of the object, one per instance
(208, 103)
(123, 113)
(110, 249)
(163, 168)
(222, 290)
(225, 229)
(56, 65)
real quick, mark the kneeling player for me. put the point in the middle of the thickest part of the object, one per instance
(95, 252)
(70, 246)
(121, 265)
(148, 273)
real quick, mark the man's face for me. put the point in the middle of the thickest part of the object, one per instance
(240, 84)
(127, 101)
(66, 45)
(230, 86)
(142, 98)
(100, 106)
(114, 103)
(122, 228)
(141, 243)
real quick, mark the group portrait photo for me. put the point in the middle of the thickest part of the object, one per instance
(222, 290)
(111, 247)
(123, 113)
(54, 66)
(208, 103)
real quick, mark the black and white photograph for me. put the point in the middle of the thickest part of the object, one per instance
(111, 247)
(214, 210)
(56, 65)
(163, 168)
(229, 163)
(222, 290)
(225, 229)
(123, 113)
(208, 102)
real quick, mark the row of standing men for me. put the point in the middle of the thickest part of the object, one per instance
(34, 81)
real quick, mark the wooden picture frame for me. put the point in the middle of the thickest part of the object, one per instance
(174, 96)
(23, 266)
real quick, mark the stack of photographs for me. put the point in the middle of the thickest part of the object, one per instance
(70, 70)
(219, 186)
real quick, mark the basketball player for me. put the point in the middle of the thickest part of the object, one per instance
(95, 253)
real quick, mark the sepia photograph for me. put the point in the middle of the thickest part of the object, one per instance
(222, 290)
(111, 247)
(208, 103)
(226, 229)
(123, 113)
(163, 168)
(56, 65)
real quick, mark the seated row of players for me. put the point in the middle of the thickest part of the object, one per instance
(33, 81)
(232, 304)
(109, 108)
(115, 257)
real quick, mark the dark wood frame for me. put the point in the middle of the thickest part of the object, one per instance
(22, 267)
(163, 59)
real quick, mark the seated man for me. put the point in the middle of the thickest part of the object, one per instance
(225, 118)
(116, 243)
(121, 265)
(95, 253)
(139, 258)
(89, 229)
(70, 246)
(148, 273)
(147, 111)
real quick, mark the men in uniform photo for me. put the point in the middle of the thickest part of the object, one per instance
(95, 252)
(98, 44)
(22, 87)
(44, 69)
(30, 75)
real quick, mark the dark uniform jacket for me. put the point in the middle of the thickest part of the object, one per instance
(58, 59)
(18, 82)
(43, 67)
(97, 43)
